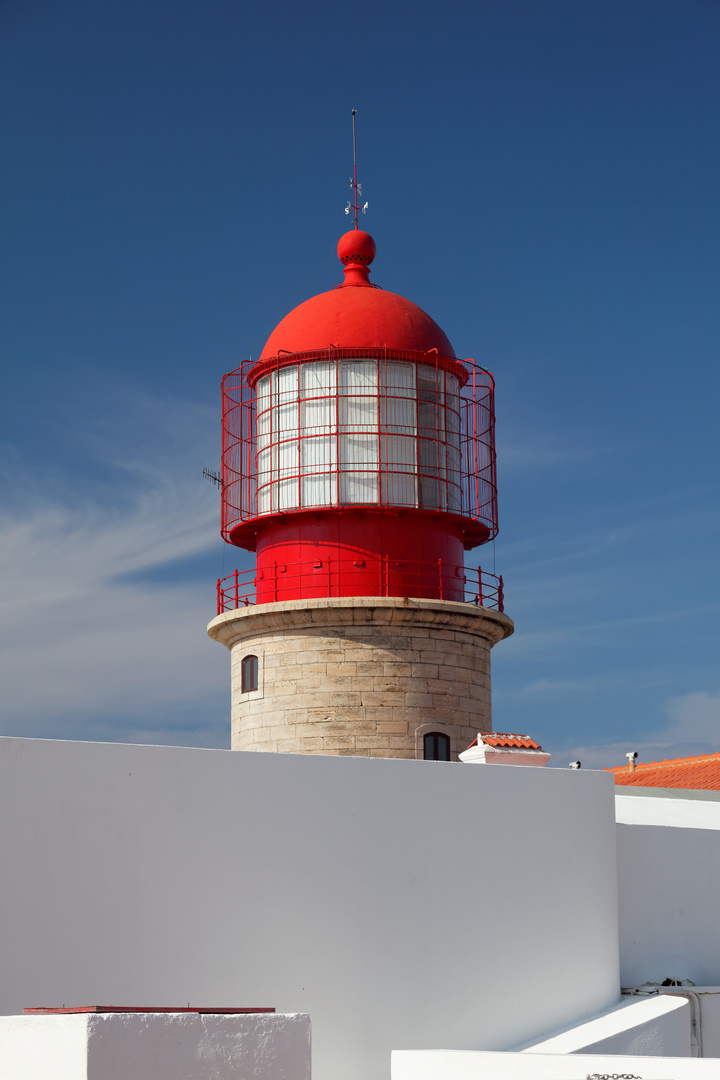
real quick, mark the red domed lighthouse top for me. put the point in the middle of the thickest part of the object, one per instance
(357, 314)
(358, 435)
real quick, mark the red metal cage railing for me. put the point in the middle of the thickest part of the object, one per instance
(369, 427)
(428, 580)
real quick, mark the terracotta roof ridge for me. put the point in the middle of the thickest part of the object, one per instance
(505, 735)
(506, 740)
(666, 763)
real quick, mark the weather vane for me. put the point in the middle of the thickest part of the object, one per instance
(357, 188)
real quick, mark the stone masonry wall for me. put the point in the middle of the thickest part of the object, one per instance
(365, 676)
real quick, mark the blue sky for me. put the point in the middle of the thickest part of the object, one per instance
(542, 178)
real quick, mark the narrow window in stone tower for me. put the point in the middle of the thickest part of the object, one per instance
(436, 746)
(248, 674)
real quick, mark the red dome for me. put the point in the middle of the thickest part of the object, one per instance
(357, 314)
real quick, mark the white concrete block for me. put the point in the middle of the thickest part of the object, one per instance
(43, 1047)
(155, 1046)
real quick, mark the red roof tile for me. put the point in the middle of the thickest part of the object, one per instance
(504, 739)
(698, 773)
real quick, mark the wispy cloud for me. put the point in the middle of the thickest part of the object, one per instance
(612, 622)
(91, 653)
(695, 716)
(691, 726)
(581, 632)
(527, 451)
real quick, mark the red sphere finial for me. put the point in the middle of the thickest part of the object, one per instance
(356, 246)
(356, 250)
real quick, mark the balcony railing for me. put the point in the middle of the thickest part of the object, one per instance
(361, 577)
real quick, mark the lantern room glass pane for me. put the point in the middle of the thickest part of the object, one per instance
(358, 468)
(285, 468)
(285, 385)
(400, 471)
(317, 378)
(398, 410)
(358, 394)
(317, 396)
(452, 426)
(285, 494)
(398, 440)
(358, 480)
(264, 413)
(286, 417)
(263, 394)
(317, 414)
(357, 376)
(317, 466)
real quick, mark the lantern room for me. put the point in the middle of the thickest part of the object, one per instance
(358, 451)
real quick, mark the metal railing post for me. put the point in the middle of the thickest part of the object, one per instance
(219, 598)
(237, 601)
(440, 581)
(275, 582)
(480, 592)
(501, 595)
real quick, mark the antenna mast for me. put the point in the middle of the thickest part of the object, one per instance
(357, 188)
(355, 183)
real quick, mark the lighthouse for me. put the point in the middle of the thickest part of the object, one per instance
(359, 465)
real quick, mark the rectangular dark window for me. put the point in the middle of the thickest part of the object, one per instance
(249, 674)
(436, 746)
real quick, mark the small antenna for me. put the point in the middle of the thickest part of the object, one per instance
(213, 477)
(357, 188)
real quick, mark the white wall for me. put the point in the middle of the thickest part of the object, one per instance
(399, 903)
(142, 1046)
(669, 890)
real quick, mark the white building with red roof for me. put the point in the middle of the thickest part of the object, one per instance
(504, 748)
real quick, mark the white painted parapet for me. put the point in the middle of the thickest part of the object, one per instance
(657, 1025)
(155, 1046)
(696, 810)
(489, 1065)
